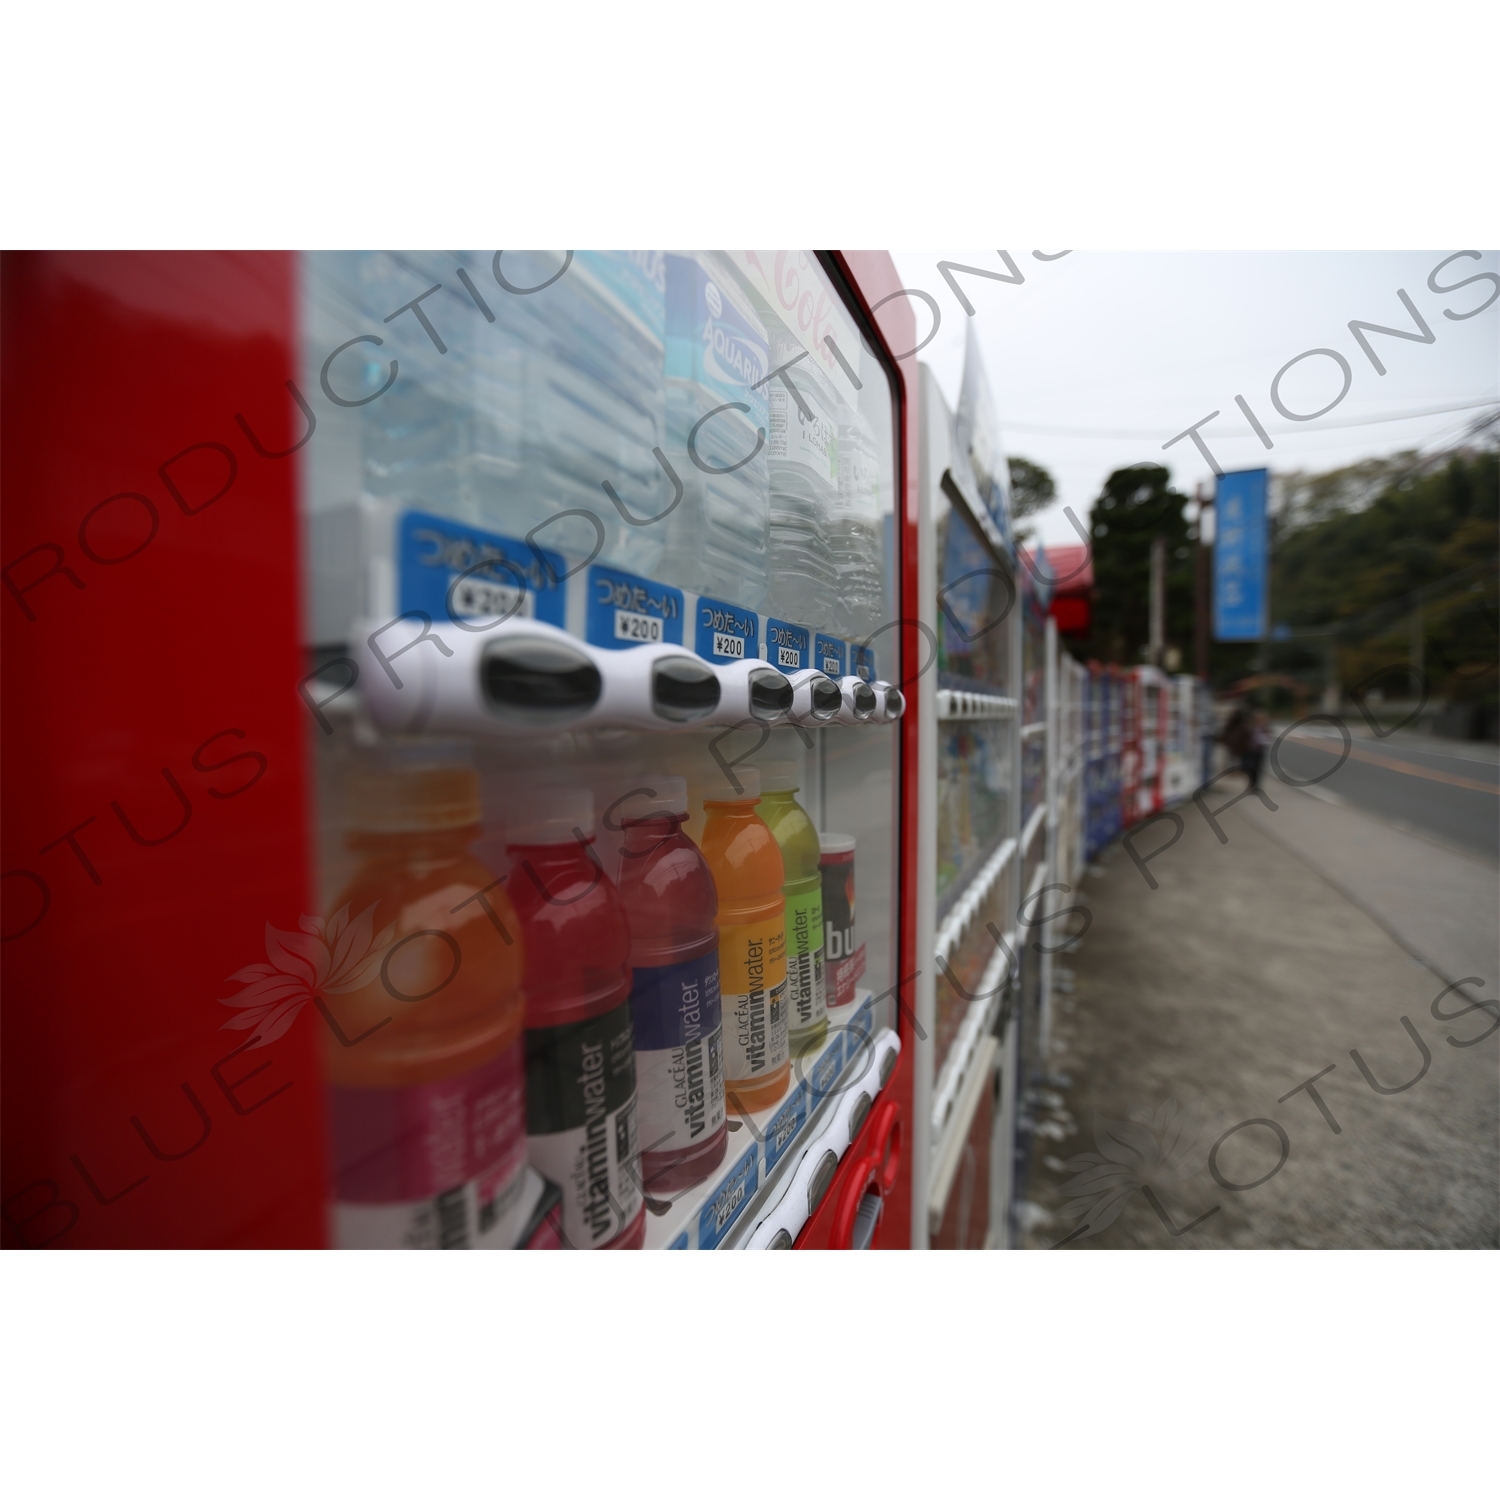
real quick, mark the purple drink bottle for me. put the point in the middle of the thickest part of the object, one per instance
(671, 905)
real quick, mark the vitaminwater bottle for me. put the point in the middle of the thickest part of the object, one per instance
(746, 863)
(580, 1051)
(422, 964)
(807, 1007)
(674, 998)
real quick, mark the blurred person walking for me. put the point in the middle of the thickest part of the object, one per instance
(1258, 736)
(1244, 737)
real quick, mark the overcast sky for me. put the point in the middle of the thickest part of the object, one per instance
(1099, 358)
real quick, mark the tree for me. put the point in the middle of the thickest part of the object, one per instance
(1427, 536)
(1031, 488)
(1136, 505)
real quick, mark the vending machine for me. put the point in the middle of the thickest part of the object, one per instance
(463, 750)
(983, 720)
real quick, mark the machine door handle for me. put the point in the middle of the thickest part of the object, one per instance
(871, 1178)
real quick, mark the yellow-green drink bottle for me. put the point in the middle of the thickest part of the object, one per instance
(807, 1003)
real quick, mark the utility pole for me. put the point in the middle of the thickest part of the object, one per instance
(1201, 586)
(1158, 598)
(1331, 694)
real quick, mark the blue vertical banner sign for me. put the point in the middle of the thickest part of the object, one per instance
(1240, 574)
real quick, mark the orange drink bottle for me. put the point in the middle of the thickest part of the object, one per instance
(745, 860)
(421, 988)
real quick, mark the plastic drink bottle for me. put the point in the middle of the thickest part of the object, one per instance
(421, 969)
(670, 902)
(716, 362)
(854, 529)
(746, 863)
(580, 1062)
(802, 463)
(845, 959)
(807, 1008)
(595, 403)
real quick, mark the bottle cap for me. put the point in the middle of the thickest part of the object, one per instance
(742, 784)
(550, 815)
(652, 796)
(836, 843)
(416, 790)
(779, 776)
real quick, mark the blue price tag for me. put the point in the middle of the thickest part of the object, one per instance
(824, 1072)
(785, 1124)
(725, 632)
(680, 1243)
(454, 572)
(862, 662)
(717, 1216)
(857, 1033)
(828, 655)
(788, 647)
(627, 611)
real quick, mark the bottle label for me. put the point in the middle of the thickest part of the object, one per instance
(793, 437)
(712, 341)
(846, 962)
(581, 1120)
(634, 280)
(436, 1167)
(752, 967)
(804, 960)
(856, 500)
(679, 1052)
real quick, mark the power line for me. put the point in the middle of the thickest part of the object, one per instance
(1034, 430)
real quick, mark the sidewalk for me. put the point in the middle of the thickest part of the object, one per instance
(1254, 966)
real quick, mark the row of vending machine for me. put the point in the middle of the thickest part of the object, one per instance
(1145, 740)
(519, 750)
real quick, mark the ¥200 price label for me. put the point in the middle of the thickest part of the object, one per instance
(630, 626)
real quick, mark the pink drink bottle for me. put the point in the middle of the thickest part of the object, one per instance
(671, 905)
(580, 1065)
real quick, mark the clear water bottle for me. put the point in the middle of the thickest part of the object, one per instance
(416, 434)
(534, 400)
(854, 531)
(716, 354)
(594, 404)
(803, 464)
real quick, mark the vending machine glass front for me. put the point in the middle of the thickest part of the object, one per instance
(600, 615)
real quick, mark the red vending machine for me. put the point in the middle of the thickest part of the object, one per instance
(460, 791)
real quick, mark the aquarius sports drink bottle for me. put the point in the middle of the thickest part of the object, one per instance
(746, 863)
(580, 1063)
(419, 978)
(807, 1008)
(674, 997)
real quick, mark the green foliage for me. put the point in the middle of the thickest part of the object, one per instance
(1031, 488)
(1435, 532)
(1136, 505)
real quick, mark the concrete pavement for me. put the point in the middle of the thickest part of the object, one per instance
(1255, 965)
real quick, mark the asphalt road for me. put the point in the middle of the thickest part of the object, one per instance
(1445, 790)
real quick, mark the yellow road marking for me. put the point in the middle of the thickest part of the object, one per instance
(1313, 742)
